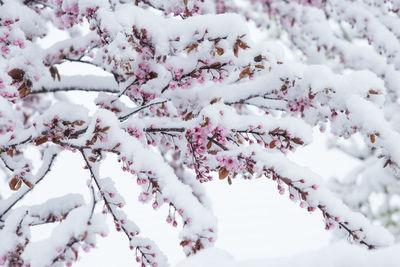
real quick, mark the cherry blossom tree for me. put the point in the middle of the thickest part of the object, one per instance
(191, 97)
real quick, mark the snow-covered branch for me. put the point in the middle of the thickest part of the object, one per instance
(184, 95)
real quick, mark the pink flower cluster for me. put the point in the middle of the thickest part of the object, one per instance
(187, 11)
(11, 96)
(299, 105)
(135, 132)
(68, 14)
(7, 27)
(228, 163)
(19, 42)
(127, 166)
(198, 139)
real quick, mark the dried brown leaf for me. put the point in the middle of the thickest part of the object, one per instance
(272, 144)
(16, 74)
(15, 184)
(223, 173)
(209, 144)
(41, 140)
(298, 141)
(215, 100)
(372, 138)
(244, 73)
(28, 184)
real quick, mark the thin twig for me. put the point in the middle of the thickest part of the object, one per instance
(139, 109)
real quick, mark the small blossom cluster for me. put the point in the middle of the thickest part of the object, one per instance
(112, 105)
(299, 105)
(6, 40)
(140, 96)
(135, 132)
(7, 126)
(56, 130)
(171, 219)
(229, 163)
(176, 7)
(21, 175)
(66, 13)
(62, 53)
(275, 139)
(10, 96)
(126, 165)
(159, 110)
(152, 192)
(198, 142)
(241, 163)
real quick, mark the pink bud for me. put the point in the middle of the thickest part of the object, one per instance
(314, 186)
(211, 239)
(58, 249)
(148, 247)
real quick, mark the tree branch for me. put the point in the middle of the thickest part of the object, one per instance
(44, 90)
(108, 205)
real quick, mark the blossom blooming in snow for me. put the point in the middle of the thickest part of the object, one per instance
(191, 101)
